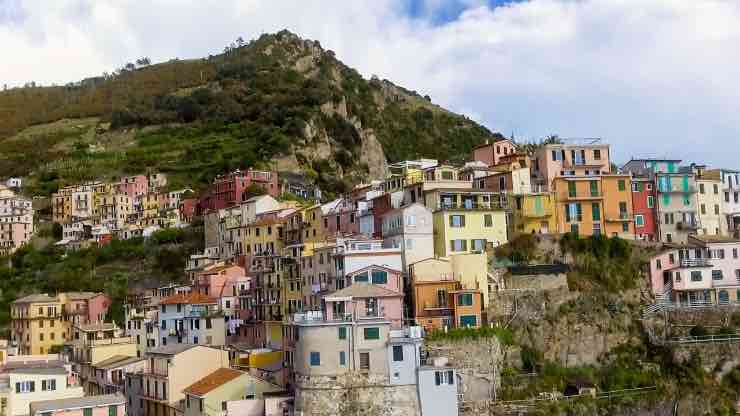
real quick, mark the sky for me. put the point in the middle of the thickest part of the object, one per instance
(653, 78)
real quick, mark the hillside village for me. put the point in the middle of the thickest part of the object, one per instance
(299, 305)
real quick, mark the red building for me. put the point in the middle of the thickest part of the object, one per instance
(187, 209)
(232, 189)
(643, 205)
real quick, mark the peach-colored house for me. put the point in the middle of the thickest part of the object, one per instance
(134, 186)
(557, 160)
(491, 153)
(213, 280)
(365, 301)
(106, 405)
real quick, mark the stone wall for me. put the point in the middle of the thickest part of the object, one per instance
(354, 394)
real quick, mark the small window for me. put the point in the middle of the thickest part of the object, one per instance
(457, 221)
(87, 411)
(365, 361)
(696, 276)
(361, 277)
(315, 358)
(717, 275)
(380, 277)
(342, 332)
(397, 353)
(465, 299)
(371, 333)
(342, 358)
(488, 220)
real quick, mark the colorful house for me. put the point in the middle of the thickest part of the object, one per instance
(644, 207)
(491, 153)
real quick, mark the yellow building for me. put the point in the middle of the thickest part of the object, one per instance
(149, 209)
(466, 220)
(37, 324)
(598, 205)
(292, 298)
(224, 390)
(533, 213)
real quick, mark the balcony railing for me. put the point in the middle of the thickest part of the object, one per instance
(472, 206)
(695, 263)
(585, 195)
(622, 216)
(687, 225)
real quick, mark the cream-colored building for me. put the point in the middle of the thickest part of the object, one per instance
(709, 202)
(224, 388)
(172, 368)
(28, 384)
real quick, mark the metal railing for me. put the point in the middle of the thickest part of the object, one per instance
(694, 263)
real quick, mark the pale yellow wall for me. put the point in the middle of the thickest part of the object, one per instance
(709, 222)
(474, 229)
(29, 328)
(191, 366)
(471, 270)
(18, 403)
(235, 389)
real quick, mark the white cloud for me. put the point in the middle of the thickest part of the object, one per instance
(651, 77)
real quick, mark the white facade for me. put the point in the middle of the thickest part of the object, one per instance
(411, 230)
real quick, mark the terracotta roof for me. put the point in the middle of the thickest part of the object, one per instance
(364, 290)
(212, 381)
(193, 298)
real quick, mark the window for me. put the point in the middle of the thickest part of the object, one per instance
(438, 378)
(701, 188)
(397, 353)
(596, 229)
(371, 333)
(597, 154)
(640, 220)
(703, 209)
(594, 186)
(48, 385)
(696, 276)
(572, 189)
(658, 264)
(112, 410)
(209, 324)
(315, 358)
(478, 245)
(734, 253)
(625, 227)
(342, 358)
(573, 212)
(87, 411)
(361, 277)
(365, 361)
(450, 377)
(488, 220)
(457, 221)
(716, 274)
(342, 332)
(596, 211)
(458, 245)
(25, 387)
(380, 277)
(468, 321)
(465, 299)
(650, 202)
(622, 185)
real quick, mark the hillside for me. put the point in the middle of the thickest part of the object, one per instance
(278, 101)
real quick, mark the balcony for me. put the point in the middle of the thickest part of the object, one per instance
(676, 189)
(695, 263)
(318, 317)
(471, 206)
(621, 217)
(531, 212)
(687, 225)
(584, 196)
(436, 306)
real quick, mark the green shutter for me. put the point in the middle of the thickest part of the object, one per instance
(372, 333)
(342, 332)
(594, 188)
(539, 210)
(685, 181)
(596, 211)
(572, 189)
(621, 184)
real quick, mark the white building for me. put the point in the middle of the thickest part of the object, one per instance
(411, 230)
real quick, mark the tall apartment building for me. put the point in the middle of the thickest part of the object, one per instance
(591, 158)
(595, 205)
(16, 221)
(709, 201)
(41, 322)
(731, 200)
(232, 189)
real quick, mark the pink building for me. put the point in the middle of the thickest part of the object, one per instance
(365, 301)
(491, 153)
(106, 405)
(134, 186)
(85, 307)
(342, 219)
(219, 280)
(16, 221)
(705, 271)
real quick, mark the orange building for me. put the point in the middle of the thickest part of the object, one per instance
(468, 304)
(594, 205)
(434, 306)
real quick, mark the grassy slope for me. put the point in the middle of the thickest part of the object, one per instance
(256, 105)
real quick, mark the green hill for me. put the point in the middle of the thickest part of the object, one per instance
(278, 101)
